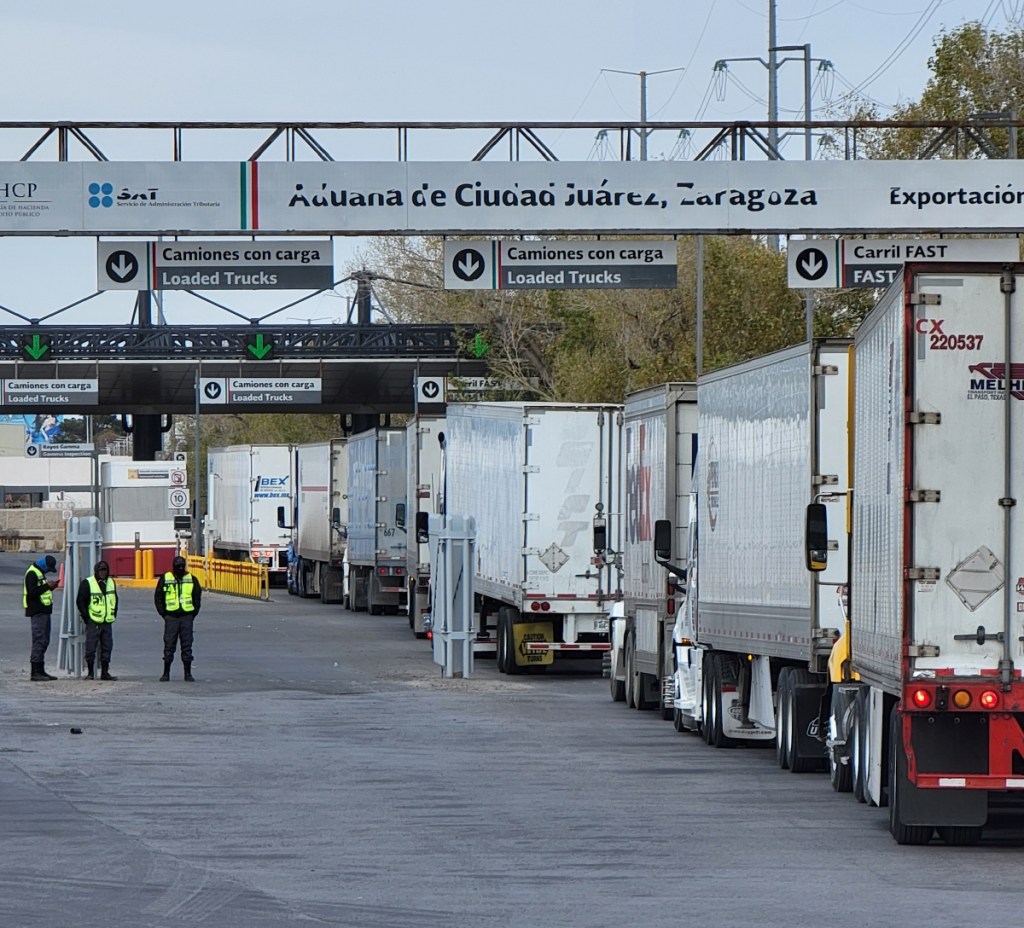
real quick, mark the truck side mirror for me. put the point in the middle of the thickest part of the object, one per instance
(600, 534)
(663, 540)
(422, 527)
(336, 517)
(400, 515)
(280, 517)
(816, 537)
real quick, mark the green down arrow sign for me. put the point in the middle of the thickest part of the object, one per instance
(261, 348)
(36, 347)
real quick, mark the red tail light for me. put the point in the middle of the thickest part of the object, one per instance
(921, 699)
(989, 699)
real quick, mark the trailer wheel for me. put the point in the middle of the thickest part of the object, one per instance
(630, 684)
(960, 835)
(617, 687)
(716, 725)
(840, 775)
(500, 657)
(855, 741)
(510, 641)
(782, 718)
(705, 700)
(904, 834)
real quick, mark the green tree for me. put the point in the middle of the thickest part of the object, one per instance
(975, 71)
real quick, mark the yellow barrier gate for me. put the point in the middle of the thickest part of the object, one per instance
(236, 577)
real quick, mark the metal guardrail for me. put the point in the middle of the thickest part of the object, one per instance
(235, 577)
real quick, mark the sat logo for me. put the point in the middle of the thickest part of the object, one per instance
(1020, 586)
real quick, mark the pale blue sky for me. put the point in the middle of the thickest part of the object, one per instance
(318, 60)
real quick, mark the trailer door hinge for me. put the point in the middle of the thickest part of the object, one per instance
(531, 469)
(922, 650)
(924, 496)
(922, 573)
(526, 552)
(531, 517)
(826, 369)
(925, 299)
(924, 418)
(826, 480)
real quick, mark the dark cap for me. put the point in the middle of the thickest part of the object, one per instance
(101, 565)
(51, 562)
(179, 562)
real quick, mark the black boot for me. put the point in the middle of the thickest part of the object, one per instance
(39, 671)
(188, 672)
(105, 672)
(90, 668)
(167, 672)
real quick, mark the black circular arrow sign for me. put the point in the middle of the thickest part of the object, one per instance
(122, 266)
(468, 264)
(431, 389)
(812, 264)
(212, 390)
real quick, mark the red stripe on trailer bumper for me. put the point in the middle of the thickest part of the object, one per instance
(558, 646)
(934, 781)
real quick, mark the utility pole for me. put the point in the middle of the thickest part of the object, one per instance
(643, 75)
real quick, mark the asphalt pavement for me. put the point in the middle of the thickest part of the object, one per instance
(321, 771)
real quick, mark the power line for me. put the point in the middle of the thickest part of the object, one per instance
(897, 52)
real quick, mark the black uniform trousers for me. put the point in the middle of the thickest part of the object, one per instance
(178, 626)
(102, 634)
(40, 636)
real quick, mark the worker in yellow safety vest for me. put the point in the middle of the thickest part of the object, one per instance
(37, 598)
(97, 605)
(178, 597)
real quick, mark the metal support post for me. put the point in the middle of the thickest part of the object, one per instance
(82, 553)
(452, 545)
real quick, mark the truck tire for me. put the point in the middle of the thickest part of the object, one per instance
(617, 687)
(904, 834)
(840, 775)
(506, 659)
(500, 657)
(716, 725)
(960, 835)
(630, 662)
(705, 700)
(781, 719)
(510, 641)
(855, 737)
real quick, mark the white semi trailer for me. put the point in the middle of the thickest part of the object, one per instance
(540, 479)
(320, 520)
(659, 453)
(377, 520)
(758, 627)
(245, 486)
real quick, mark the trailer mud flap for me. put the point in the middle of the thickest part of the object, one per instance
(809, 743)
(525, 632)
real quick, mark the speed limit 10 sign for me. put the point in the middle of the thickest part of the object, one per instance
(177, 498)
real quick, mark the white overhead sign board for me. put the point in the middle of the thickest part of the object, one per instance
(295, 198)
(851, 263)
(223, 391)
(206, 265)
(68, 450)
(49, 392)
(560, 264)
